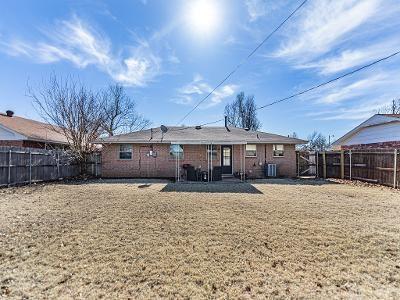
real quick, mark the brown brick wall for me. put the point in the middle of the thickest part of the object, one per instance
(163, 165)
(385, 145)
(11, 143)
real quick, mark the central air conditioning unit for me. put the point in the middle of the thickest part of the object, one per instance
(271, 170)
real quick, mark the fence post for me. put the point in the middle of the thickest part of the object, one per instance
(317, 163)
(342, 164)
(58, 165)
(95, 164)
(350, 163)
(30, 166)
(324, 163)
(395, 169)
(298, 164)
(9, 167)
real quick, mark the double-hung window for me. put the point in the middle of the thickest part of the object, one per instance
(125, 151)
(212, 151)
(278, 150)
(251, 150)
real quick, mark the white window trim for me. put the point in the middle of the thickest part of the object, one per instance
(119, 152)
(250, 156)
(273, 151)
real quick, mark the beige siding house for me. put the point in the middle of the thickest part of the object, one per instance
(229, 150)
(381, 131)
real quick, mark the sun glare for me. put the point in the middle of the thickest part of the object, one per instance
(203, 16)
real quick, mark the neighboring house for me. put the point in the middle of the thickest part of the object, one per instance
(381, 131)
(21, 132)
(152, 153)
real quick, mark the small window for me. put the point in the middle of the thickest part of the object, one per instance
(251, 150)
(176, 151)
(214, 151)
(278, 150)
(125, 151)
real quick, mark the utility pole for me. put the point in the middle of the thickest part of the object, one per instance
(329, 139)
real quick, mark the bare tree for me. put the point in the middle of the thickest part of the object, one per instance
(73, 110)
(393, 108)
(242, 112)
(316, 142)
(120, 113)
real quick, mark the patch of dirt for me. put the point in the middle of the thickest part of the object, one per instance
(294, 239)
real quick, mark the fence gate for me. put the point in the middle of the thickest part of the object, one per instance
(307, 164)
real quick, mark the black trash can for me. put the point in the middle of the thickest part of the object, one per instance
(217, 174)
(191, 173)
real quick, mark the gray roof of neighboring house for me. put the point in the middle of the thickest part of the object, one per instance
(375, 120)
(205, 135)
(34, 130)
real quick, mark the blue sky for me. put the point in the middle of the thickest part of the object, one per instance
(169, 54)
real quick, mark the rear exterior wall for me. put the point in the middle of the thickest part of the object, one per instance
(164, 166)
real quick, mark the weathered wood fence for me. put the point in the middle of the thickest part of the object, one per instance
(375, 166)
(28, 165)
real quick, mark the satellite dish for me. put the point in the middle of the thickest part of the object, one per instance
(164, 129)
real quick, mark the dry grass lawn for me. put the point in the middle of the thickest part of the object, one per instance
(127, 240)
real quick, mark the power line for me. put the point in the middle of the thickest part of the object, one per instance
(329, 81)
(313, 87)
(242, 62)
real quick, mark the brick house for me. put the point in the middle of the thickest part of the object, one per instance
(21, 132)
(236, 151)
(381, 131)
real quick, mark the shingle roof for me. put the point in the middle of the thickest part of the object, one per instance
(205, 135)
(391, 115)
(33, 130)
(375, 120)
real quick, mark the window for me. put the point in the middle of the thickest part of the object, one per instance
(125, 151)
(278, 150)
(226, 156)
(251, 150)
(214, 152)
(176, 151)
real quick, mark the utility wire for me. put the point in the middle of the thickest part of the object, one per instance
(329, 81)
(313, 87)
(242, 62)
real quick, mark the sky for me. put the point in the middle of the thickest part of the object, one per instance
(170, 54)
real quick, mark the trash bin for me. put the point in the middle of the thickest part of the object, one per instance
(217, 173)
(204, 176)
(191, 173)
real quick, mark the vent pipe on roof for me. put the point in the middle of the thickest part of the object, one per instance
(226, 123)
(9, 113)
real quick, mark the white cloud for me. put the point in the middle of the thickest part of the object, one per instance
(353, 57)
(324, 24)
(256, 9)
(358, 88)
(354, 99)
(77, 42)
(198, 88)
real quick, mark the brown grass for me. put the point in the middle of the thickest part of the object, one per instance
(120, 240)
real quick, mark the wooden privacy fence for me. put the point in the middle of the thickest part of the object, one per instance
(28, 165)
(375, 166)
